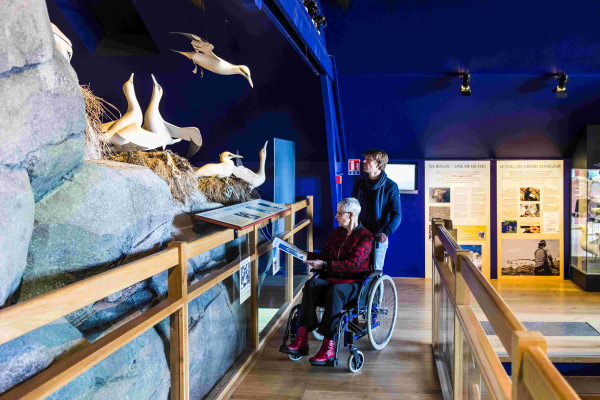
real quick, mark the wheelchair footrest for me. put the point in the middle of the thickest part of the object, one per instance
(301, 352)
(329, 363)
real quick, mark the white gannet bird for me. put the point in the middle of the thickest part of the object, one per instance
(222, 170)
(126, 133)
(254, 178)
(591, 247)
(63, 44)
(205, 58)
(169, 133)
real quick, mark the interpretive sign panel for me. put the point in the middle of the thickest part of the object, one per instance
(530, 218)
(459, 190)
(245, 280)
(240, 216)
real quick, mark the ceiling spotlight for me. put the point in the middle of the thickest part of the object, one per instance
(465, 87)
(561, 89)
(313, 8)
(320, 21)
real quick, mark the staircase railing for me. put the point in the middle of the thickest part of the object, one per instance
(467, 365)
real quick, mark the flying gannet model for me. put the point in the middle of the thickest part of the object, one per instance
(169, 133)
(221, 170)
(254, 178)
(205, 58)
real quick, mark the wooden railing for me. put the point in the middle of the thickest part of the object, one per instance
(533, 374)
(24, 317)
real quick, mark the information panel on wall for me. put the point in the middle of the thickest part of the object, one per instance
(459, 190)
(530, 218)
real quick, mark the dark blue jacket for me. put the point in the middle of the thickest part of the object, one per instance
(380, 204)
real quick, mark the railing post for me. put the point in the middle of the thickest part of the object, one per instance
(521, 341)
(309, 232)
(435, 223)
(462, 298)
(253, 243)
(289, 259)
(179, 326)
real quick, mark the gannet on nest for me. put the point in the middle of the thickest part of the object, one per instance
(205, 58)
(155, 123)
(126, 133)
(255, 179)
(222, 170)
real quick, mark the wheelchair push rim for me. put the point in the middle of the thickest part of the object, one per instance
(382, 309)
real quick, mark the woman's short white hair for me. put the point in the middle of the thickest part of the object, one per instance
(350, 204)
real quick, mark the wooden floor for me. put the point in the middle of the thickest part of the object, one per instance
(552, 300)
(403, 370)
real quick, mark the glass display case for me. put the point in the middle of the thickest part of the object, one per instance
(585, 220)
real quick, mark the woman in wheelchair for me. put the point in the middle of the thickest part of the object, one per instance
(343, 263)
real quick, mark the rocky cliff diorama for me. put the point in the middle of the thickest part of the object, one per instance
(66, 216)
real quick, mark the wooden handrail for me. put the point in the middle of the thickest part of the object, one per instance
(542, 379)
(24, 317)
(31, 314)
(534, 375)
(55, 377)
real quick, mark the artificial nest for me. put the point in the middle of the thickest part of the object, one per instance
(97, 145)
(181, 177)
(227, 191)
(177, 171)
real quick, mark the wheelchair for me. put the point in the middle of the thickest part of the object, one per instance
(372, 314)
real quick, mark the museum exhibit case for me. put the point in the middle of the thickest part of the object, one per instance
(584, 212)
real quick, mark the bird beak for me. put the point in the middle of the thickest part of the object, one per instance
(235, 156)
(250, 80)
(265, 146)
(131, 78)
(154, 79)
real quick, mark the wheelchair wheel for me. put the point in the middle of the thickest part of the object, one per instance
(319, 316)
(292, 329)
(355, 365)
(382, 308)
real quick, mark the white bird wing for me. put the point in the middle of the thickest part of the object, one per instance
(141, 137)
(191, 133)
(200, 45)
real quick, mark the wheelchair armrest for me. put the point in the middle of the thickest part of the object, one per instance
(375, 273)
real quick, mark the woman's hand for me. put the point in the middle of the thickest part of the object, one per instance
(314, 264)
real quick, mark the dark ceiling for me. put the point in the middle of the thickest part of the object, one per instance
(397, 63)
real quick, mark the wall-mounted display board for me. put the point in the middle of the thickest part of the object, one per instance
(460, 191)
(530, 218)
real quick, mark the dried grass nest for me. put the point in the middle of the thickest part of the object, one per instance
(97, 145)
(181, 177)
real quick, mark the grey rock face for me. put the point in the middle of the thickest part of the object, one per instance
(104, 215)
(138, 371)
(212, 345)
(25, 356)
(26, 35)
(42, 126)
(17, 210)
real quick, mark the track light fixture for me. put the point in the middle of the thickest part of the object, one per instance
(320, 21)
(561, 88)
(465, 87)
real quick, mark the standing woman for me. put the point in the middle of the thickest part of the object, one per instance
(343, 262)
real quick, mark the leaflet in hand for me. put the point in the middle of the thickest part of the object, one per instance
(289, 248)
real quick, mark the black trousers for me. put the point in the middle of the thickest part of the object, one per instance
(321, 292)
